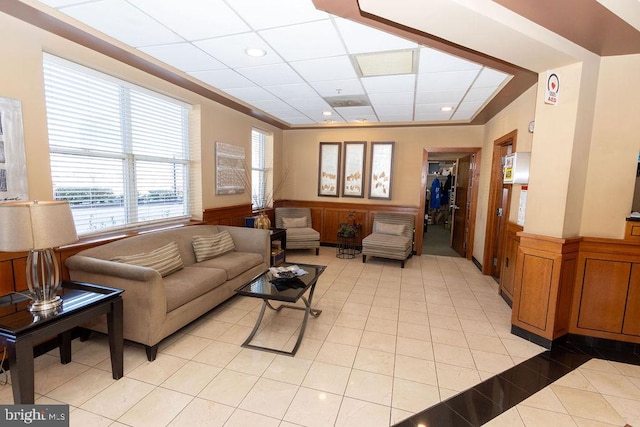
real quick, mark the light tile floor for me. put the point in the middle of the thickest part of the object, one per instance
(389, 343)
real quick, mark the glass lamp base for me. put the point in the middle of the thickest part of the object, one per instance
(47, 305)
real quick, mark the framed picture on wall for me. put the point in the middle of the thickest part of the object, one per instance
(329, 169)
(230, 169)
(381, 170)
(353, 169)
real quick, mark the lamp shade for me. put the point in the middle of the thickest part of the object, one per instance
(35, 225)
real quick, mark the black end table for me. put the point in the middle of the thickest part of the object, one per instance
(279, 234)
(21, 330)
(262, 287)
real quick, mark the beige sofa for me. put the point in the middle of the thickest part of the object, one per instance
(157, 306)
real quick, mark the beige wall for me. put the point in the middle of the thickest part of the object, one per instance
(516, 116)
(21, 78)
(614, 149)
(301, 148)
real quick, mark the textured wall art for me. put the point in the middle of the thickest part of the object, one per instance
(13, 165)
(381, 170)
(329, 169)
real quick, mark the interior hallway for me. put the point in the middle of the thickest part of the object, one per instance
(390, 343)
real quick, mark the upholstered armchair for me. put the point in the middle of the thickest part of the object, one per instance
(300, 233)
(392, 237)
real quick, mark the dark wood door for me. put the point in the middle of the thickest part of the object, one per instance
(501, 213)
(460, 208)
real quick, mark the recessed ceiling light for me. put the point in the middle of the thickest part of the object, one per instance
(327, 113)
(445, 109)
(255, 52)
(361, 120)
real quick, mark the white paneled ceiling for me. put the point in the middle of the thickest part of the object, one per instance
(310, 67)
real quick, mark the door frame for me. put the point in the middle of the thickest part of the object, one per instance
(495, 187)
(474, 191)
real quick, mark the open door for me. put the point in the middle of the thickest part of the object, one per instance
(460, 209)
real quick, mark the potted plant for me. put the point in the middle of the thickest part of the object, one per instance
(351, 227)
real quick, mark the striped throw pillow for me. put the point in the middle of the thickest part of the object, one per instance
(209, 246)
(165, 260)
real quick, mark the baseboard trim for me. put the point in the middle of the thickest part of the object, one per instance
(476, 262)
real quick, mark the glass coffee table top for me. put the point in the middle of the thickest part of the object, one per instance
(288, 290)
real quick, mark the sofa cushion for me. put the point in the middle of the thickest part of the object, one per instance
(188, 284)
(233, 263)
(165, 260)
(302, 234)
(294, 222)
(386, 228)
(209, 246)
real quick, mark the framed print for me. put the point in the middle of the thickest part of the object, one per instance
(13, 164)
(381, 173)
(230, 169)
(353, 170)
(329, 169)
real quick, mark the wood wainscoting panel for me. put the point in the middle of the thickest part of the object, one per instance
(545, 276)
(603, 296)
(508, 270)
(535, 292)
(6, 277)
(230, 215)
(631, 325)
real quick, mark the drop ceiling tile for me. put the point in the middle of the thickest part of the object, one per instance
(354, 112)
(309, 105)
(318, 117)
(444, 98)
(261, 14)
(432, 109)
(467, 110)
(385, 84)
(385, 110)
(296, 90)
(305, 41)
(122, 21)
(230, 50)
(222, 79)
(184, 56)
(251, 94)
(480, 94)
(446, 81)
(490, 77)
(332, 68)
(297, 120)
(434, 61)
(361, 39)
(273, 105)
(60, 3)
(271, 75)
(392, 98)
(194, 19)
(425, 117)
(339, 87)
(395, 118)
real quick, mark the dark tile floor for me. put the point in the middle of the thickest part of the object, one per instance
(492, 397)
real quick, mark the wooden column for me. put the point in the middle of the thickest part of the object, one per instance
(545, 275)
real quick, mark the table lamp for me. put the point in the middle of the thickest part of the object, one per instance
(38, 227)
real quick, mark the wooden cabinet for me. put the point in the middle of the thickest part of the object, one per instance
(606, 302)
(508, 270)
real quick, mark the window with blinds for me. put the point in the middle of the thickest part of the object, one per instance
(119, 153)
(260, 170)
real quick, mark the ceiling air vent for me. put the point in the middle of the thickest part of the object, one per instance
(348, 101)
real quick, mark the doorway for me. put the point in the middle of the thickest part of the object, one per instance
(450, 176)
(498, 209)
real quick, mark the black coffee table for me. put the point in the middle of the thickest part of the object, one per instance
(21, 330)
(284, 291)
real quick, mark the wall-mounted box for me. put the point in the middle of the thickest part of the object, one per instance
(516, 168)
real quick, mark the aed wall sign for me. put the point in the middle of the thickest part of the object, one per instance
(552, 89)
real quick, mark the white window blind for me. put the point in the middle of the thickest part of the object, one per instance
(119, 154)
(260, 170)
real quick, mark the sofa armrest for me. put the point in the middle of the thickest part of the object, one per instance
(248, 239)
(111, 268)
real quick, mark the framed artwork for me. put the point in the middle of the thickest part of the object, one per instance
(329, 169)
(381, 173)
(13, 163)
(230, 169)
(353, 170)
